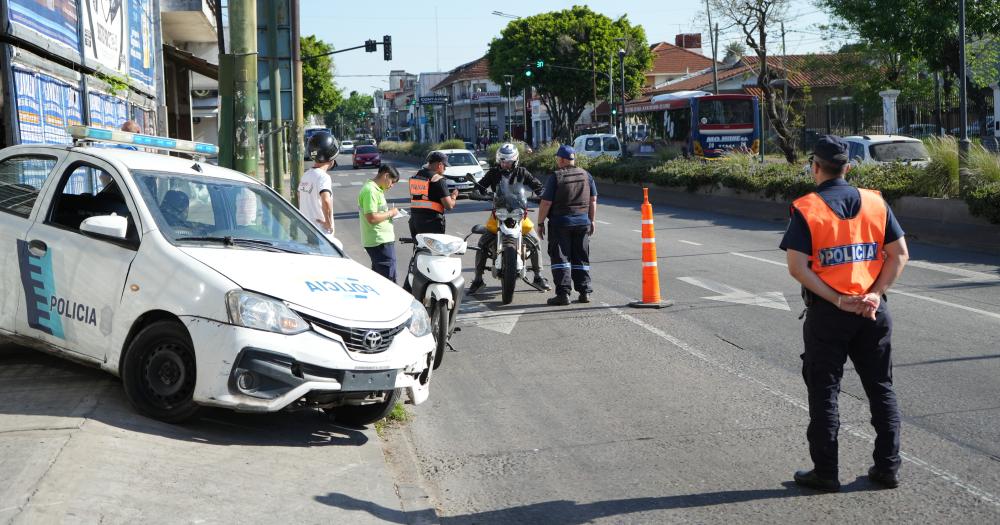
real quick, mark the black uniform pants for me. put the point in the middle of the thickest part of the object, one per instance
(831, 336)
(569, 252)
(426, 222)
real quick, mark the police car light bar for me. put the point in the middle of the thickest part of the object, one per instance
(88, 133)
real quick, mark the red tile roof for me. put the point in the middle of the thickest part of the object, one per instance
(477, 69)
(668, 58)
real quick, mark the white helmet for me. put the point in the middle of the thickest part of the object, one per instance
(508, 152)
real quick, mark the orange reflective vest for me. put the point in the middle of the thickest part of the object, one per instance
(847, 254)
(419, 196)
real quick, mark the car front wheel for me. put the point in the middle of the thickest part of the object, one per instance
(159, 372)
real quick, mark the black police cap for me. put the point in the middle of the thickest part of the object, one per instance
(831, 148)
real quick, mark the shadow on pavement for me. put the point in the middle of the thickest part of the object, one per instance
(33, 383)
(565, 512)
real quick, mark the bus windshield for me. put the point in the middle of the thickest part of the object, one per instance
(725, 111)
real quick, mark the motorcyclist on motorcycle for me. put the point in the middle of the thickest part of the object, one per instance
(506, 168)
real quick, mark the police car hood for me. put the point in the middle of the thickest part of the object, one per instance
(335, 287)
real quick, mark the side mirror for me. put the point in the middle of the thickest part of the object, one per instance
(479, 229)
(107, 225)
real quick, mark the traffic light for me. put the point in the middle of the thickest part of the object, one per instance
(370, 46)
(527, 72)
(539, 63)
(614, 111)
(387, 47)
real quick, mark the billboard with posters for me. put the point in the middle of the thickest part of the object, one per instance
(45, 106)
(29, 107)
(141, 52)
(96, 109)
(53, 20)
(53, 110)
(104, 34)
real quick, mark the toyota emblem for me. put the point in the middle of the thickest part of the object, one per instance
(372, 339)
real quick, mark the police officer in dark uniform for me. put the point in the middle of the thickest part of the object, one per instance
(846, 248)
(570, 199)
(429, 196)
(507, 168)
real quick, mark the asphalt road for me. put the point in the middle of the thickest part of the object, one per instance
(696, 413)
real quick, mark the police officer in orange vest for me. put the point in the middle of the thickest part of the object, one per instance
(429, 196)
(846, 248)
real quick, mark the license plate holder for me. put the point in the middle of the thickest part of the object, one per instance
(365, 380)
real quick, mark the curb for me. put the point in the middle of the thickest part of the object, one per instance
(942, 222)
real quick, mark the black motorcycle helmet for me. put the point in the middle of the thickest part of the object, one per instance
(323, 147)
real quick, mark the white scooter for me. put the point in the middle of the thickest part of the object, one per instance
(435, 279)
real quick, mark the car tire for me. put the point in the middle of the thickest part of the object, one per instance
(159, 372)
(361, 415)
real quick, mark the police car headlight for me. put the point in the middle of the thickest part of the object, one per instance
(263, 313)
(420, 322)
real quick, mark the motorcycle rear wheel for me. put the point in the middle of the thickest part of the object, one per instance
(508, 280)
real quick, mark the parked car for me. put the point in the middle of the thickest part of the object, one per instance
(161, 270)
(920, 130)
(598, 144)
(366, 155)
(462, 162)
(347, 146)
(884, 149)
(973, 128)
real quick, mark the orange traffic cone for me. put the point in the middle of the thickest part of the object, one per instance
(650, 273)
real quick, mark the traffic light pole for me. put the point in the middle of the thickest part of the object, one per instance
(275, 162)
(243, 36)
(296, 146)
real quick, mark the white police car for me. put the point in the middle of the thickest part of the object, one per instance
(197, 285)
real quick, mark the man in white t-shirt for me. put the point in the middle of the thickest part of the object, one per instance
(315, 188)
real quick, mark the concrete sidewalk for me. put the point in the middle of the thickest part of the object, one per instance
(73, 451)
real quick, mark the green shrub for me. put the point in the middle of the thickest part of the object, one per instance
(893, 180)
(984, 201)
(451, 144)
(984, 164)
(940, 178)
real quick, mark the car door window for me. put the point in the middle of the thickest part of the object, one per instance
(21, 178)
(593, 144)
(611, 144)
(88, 191)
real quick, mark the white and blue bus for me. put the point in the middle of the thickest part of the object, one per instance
(707, 126)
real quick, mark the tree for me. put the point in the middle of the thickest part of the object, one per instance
(355, 112)
(320, 95)
(575, 66)
(754, 18)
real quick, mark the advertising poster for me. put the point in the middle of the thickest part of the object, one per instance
(140, 44)
(53, 112)
(54, 20)
(104, 34)
(29, 110)
(74, 107)
(95, 103)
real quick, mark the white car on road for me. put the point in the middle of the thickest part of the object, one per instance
(462, 162)
(347, 147)
(197, 285)
(884, 149)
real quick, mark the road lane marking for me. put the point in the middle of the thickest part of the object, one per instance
(603, 222)
(336, 185)
(896, 290)
(856, 432)
(357, 183)
(637, 231)
(691, 243)
(729, 294)
(761, 259)
(964, 275)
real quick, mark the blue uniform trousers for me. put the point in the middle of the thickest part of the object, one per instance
(383, 258)
(831, 336)
(569, 251)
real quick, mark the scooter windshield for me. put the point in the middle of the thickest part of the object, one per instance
(511, 196)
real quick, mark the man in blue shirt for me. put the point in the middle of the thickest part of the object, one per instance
(570, 199)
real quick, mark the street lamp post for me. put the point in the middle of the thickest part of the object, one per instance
(624, 139)
(507, 80)
(963, 117)
(475, 112)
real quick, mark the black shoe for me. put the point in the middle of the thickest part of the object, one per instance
(476, 285)
(584, 297)
(559, 300)
(541, 283)
(886, 479)
(811, 480)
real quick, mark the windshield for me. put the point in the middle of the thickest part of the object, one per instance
(462, 159)
(898, 151)
(196, 209)
(725, 112)
(366, 149)
(511, 196)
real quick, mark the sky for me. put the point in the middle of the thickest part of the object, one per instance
(462, 30)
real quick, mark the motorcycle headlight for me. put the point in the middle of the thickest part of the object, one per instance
(443, 248)
(419, 323)
(517, 215)
(263, 313)
(502, 214)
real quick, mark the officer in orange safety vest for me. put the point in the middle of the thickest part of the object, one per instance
(429, 196)
(846, 248)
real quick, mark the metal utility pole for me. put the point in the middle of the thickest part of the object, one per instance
(963, 117)
(612, 127)
(507, 80)
(296, 147)
(242, 139)
(937, 105)
(275, 163)
(713, 34)
(784, 100)
(624, 139)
